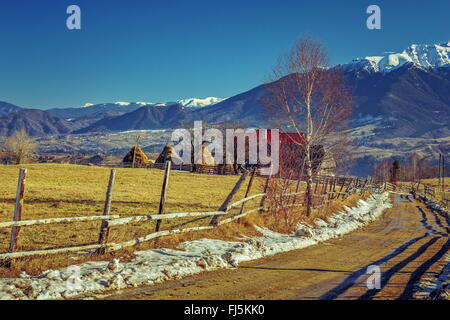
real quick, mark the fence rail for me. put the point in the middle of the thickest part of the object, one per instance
(54, 220)
(326, 189)
(135, 219)
(441, 197)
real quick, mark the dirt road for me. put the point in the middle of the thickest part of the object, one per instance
(407, 242)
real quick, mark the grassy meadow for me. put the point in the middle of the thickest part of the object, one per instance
(62, 190)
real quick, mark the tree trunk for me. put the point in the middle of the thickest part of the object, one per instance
(309, 196)
(309, 182)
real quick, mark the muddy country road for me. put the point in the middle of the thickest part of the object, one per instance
(407, 242)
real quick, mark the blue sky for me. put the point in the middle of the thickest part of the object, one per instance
(155, 50)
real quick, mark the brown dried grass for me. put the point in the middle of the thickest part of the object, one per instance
(59, 190)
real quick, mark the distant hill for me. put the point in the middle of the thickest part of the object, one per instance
(244, 108)
(35, 122)
(73, 113)
(147, 117)
(406, 102)
(87, 120)
(6, 108)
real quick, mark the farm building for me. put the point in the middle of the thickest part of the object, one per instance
(292, 154)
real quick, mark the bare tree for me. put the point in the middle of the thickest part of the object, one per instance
(309, 98)
(413, 168)
(20, 146)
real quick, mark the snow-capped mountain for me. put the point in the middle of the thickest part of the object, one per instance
(121, 107)
(189, 102)
(197, 103)
(118, 103)
(423, 56)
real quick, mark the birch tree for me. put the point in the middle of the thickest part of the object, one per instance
(308, 98)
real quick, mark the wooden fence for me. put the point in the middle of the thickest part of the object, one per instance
(326, 189)
(441, 197)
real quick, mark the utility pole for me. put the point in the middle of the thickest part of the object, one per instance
(442, 175)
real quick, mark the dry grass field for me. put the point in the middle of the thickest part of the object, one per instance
(59, 190)
(434, 183)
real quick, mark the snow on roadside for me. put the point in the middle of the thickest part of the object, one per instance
(435, 287)
(432, 287)
(154, 266)
(435, 206)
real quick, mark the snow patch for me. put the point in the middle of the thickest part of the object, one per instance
(423, 56)
(195, 102)
(122, 103)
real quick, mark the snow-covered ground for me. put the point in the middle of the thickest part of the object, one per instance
(154, 266)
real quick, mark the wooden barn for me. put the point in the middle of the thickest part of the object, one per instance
(292, 155)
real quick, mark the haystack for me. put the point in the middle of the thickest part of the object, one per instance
(169, 154)
(207, 158)
(140, 158)
(207, 162)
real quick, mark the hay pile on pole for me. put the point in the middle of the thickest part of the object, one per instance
(169, 154)
(140, 158)
(207, 158)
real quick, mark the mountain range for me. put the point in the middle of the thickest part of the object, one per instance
(396, 95)
(36, 122)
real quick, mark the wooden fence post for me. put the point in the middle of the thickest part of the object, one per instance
(104, 229)
(330, 191)
(248, 189)
(18, 209)
(348, 188)
(341, 188)
(162, 200)
(317, 183)
(266, 188)
(324, 191)
(362, 188)
(215, 220)
(298, 183)
(333, 189)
